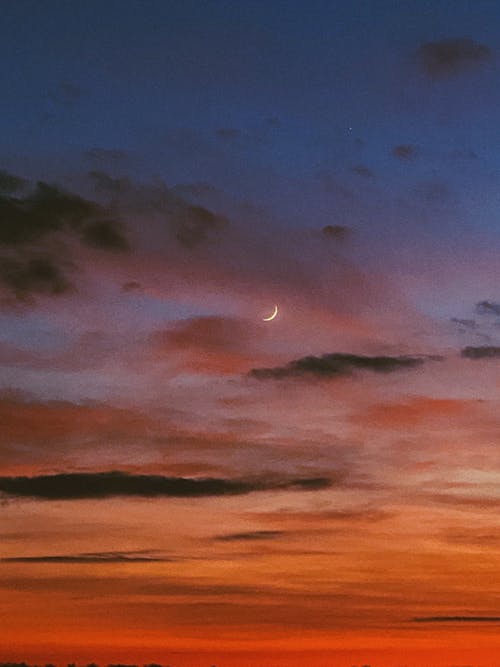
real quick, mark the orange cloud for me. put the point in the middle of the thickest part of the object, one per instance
(415, 411)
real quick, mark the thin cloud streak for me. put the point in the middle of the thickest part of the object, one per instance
(456, 619)
(337, 365)
(77, 486)
(96, 557)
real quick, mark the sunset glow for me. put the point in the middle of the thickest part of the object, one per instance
(250, 333)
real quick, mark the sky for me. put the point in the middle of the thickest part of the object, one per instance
(184, 478)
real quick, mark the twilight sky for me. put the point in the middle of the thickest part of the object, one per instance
(180, 480)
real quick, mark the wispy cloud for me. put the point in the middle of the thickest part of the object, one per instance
(404, 151)
(336, 365)
(190, 224)
(481, 352)
(250, 536)
(143, 556)
(456, 619)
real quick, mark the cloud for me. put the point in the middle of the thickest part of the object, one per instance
(190, 224)
(36, 274)
(335, 232)
(10, 183)
(209, 344)
(33, 257)
(456, 619)
(356, 515)
(467, 324)
(26, 421)
(132, 286)
(404, 151)
(194, 225)
(466, 501)
(250, 536)
(60, 433)
(144, 556)
(77, 486)
(104, 235)
(413, 412)
(336, 365)
(447, 57)
(487, 308)
(273, 121)
(481, 537)
(46, 210)
(65, 93)
(482, 352)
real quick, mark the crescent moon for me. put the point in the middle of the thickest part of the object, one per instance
(271, 317)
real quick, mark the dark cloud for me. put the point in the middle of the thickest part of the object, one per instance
(404, 151)
(447, 57)
(65, 93)
(110, 185)
(132, 286)
(38, 275)
(273, 121)
(44, 211)
(336, 232)
(93, 557)
(104, 235)
(195, 224)
(336, 365)
(73, 486)
(190, 224)
(250, 536)
(467, 324)
(10, 183)
(33, 258)
(487, 308)
(482, 352)
(456, 619)
(362, 170)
